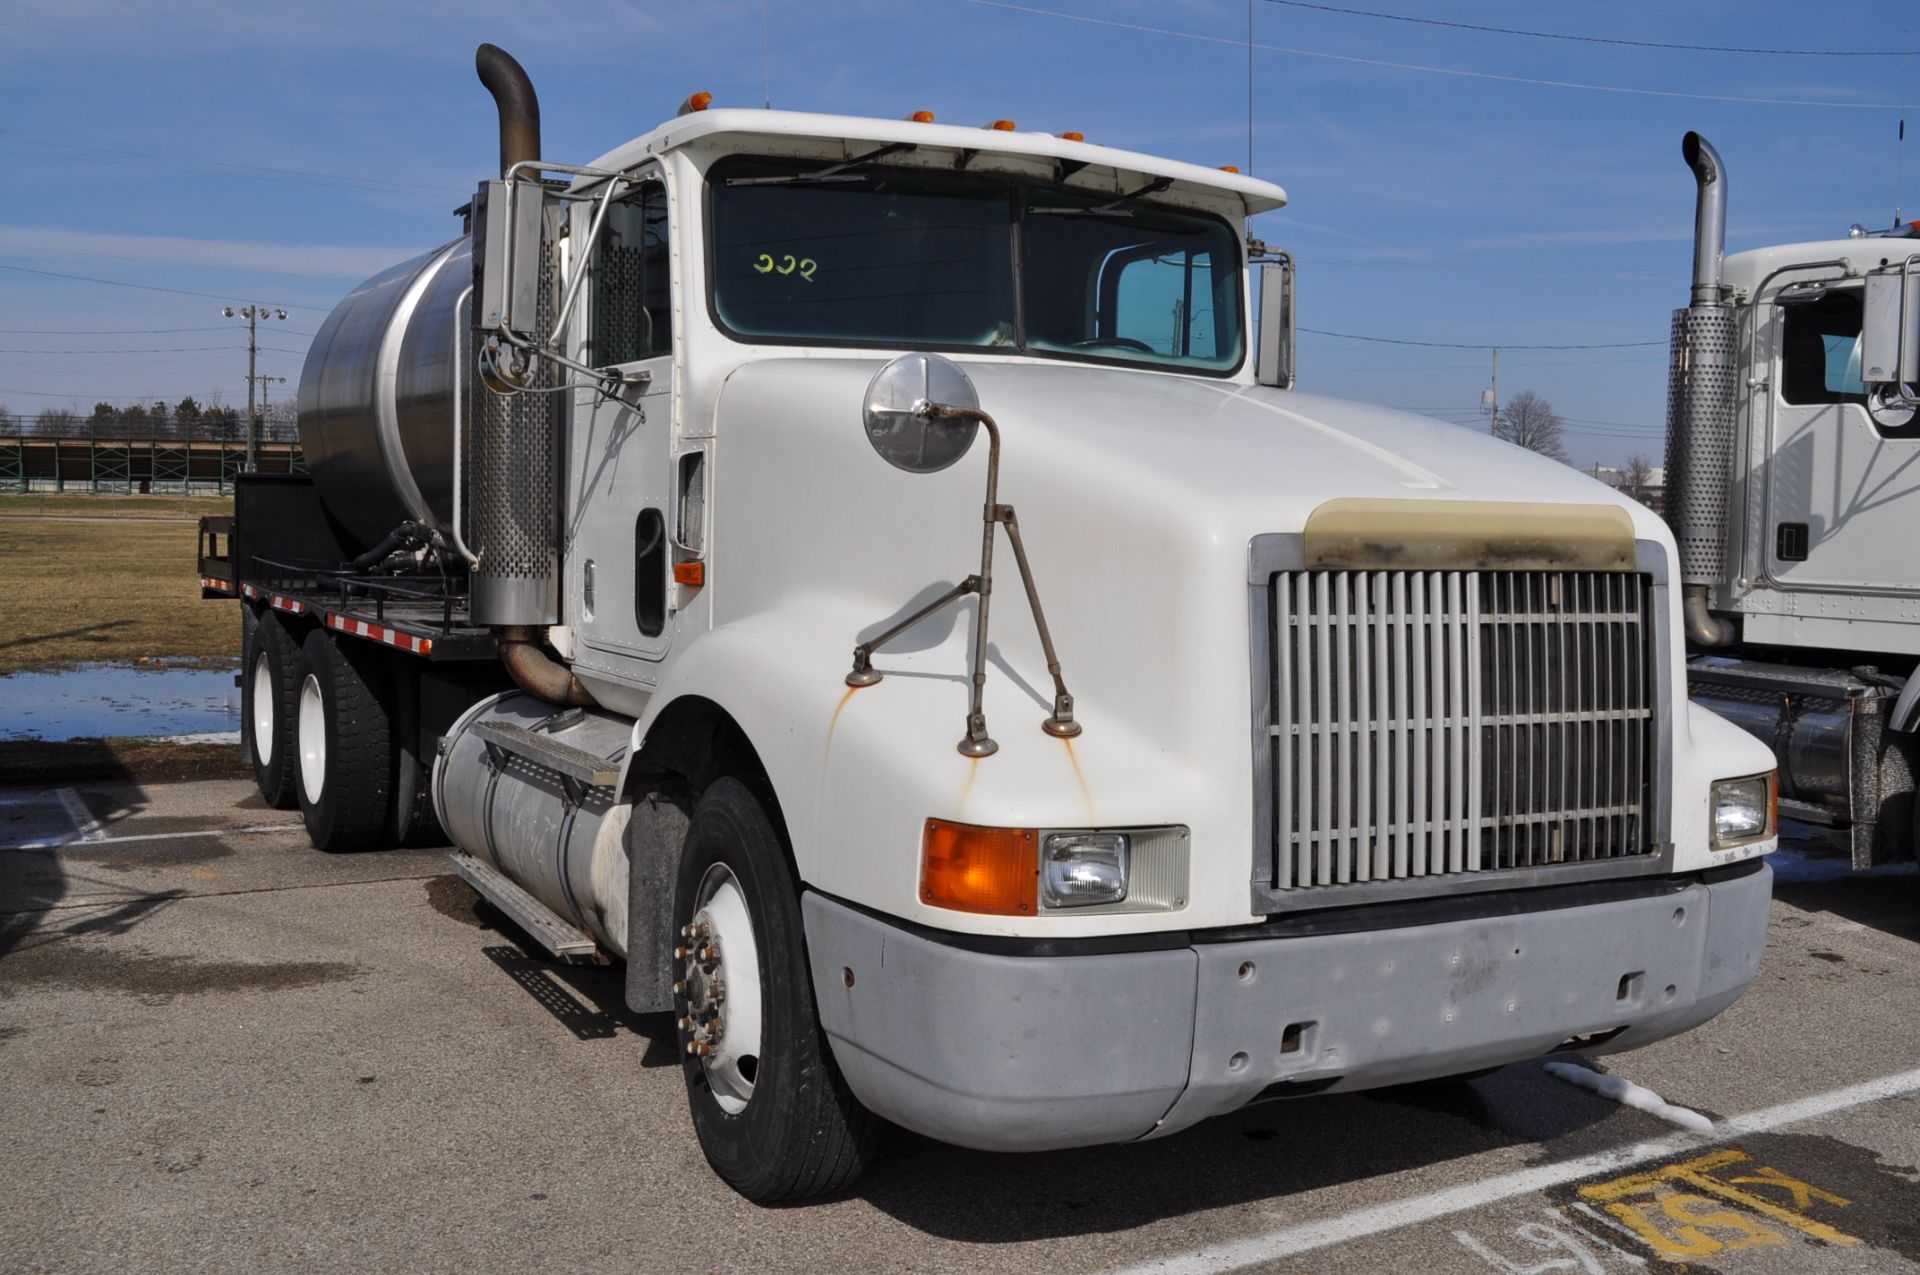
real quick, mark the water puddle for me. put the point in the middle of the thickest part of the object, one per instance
(100, 700)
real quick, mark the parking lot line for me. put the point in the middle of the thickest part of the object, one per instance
(103, 840)
(1308, 1236)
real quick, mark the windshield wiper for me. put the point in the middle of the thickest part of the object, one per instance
(833, 173)
(1112, 207)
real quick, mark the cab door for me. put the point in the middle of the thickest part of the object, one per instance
(620, 474)
(1840, 487)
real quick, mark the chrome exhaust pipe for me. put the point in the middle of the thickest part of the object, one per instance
(1709, 217)
(1702, 375)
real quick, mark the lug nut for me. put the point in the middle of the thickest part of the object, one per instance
(679, 953)
(680, 987)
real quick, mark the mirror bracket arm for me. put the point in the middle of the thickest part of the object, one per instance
(864, 674)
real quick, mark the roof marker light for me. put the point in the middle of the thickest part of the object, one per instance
(921, 117)
(1229, 168)
(1003, 126)
(695, 102)
(1073, 137)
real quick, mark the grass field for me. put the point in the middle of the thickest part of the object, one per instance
(106, 578)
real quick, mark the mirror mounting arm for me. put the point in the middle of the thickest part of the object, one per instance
(864, 674)
(977, 743)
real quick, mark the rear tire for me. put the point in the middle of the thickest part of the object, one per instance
(778, 1122)
(269, 685)
(343, 744)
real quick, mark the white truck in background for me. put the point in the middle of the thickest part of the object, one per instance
(1793, 463)
(649, 547)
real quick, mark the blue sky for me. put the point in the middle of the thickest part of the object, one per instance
(1425, 206)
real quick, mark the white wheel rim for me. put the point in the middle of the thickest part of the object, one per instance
(312, 726)
(264, 735)
(720, 979)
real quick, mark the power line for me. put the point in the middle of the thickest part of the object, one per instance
(150, 287)
(262, 170)
(1598, 39)
(145, 349)
(107, 331)
(1441, 70)
(1480, 345)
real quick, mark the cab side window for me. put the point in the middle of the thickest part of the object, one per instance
(631, 318)
(1820, 349)
(1164, 301)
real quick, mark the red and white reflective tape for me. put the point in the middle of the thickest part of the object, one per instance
(218, 586)
(289, 605)
(381, 633)
(251, 591)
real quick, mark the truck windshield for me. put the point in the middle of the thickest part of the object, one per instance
(871, 255)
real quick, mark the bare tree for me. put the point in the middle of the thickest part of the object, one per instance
(1529, 421)
(55, 422)
(1636, 479)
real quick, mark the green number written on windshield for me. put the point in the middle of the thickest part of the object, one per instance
(766, 263)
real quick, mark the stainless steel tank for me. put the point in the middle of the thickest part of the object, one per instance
(377, 395)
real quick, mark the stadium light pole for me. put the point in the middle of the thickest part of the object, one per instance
(252, 314)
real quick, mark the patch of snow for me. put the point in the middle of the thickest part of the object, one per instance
(1628, 1094)
(204, 737)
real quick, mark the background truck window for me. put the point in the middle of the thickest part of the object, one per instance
(1820, 349)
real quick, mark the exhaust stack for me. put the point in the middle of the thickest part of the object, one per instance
(1700, 404)
(1709, 217)
(513, 440)
(519, 107)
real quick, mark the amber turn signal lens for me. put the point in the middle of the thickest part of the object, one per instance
(973, 869)
(1003, 126)
(690, 573)
(695, 102)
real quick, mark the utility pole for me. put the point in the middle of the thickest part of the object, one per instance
(1490, 397)
(253, 462)
(253, 314)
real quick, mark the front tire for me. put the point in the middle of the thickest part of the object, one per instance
(344, 745)
(772, 1112)
(270, 687)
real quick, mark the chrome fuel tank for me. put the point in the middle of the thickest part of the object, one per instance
(503, 803)
(377, 395)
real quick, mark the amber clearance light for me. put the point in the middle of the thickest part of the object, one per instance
(973, 869)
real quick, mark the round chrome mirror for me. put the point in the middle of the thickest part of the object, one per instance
(898, 421)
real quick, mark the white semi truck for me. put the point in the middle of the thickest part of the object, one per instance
(1793, 462)
(648, 550)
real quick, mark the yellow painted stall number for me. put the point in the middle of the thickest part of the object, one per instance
(767, 263)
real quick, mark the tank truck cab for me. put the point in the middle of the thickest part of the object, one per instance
(1303, 759)
(1794, 480)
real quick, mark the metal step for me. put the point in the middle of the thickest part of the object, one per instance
(546, 927)
(544, 750)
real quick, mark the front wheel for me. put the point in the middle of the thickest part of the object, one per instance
(772, 1112)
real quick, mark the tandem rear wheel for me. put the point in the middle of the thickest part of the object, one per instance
(344, 743)
(269, 690)
(774, 1116)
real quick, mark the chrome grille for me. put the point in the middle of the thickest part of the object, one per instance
(1429, 723)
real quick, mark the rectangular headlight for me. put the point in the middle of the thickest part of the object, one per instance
(1081, 869)
(1743, 810)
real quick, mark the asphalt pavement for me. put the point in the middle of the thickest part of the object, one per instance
(221, 1050)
